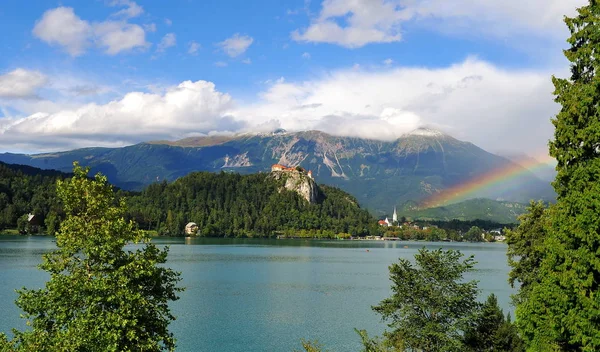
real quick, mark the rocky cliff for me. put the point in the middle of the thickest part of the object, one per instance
(299, 182)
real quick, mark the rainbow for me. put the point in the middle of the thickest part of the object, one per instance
(468, 189)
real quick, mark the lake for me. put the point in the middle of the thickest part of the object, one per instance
(266, 295)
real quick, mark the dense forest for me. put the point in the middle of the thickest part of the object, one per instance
(221, 204)
(229, 204)
(24, 190)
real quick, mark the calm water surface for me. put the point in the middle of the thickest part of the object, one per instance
(265, 295)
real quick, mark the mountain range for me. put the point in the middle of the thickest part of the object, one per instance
(380, 174)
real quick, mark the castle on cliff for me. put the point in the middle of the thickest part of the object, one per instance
(282, 168)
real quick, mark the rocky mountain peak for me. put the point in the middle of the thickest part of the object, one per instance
(426, 132)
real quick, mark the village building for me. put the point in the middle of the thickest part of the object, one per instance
(499, 238)
(33, 223)
(279, 167)
(385, 222)
(191, 229)
(283, 168)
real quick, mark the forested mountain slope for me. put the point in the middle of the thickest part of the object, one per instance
(379, 174)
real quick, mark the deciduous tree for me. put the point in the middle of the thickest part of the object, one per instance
(101, 296)
(431, 303)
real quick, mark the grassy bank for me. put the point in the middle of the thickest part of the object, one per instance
(9, 232)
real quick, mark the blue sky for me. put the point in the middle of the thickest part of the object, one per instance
(117, 72)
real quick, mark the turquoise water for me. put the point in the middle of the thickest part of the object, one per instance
(266, 295)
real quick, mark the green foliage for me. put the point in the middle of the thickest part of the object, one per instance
(491, 331)
(311, 346)
(100, 296)
(526, 250)
(25, 190)
(52, 223)
(472, 209)
(378, 344)
(229, 204)
(559, 308)
(474, 234)
(431, 304)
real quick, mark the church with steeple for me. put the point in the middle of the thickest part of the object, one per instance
(387, 222)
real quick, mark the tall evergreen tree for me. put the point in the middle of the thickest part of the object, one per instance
(526, 249)
(562, 310)
(491, 331)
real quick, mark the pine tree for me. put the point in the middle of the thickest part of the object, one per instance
(562, 310)
(100, 296)
(491, 331)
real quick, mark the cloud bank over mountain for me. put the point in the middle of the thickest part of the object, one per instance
(472, 100)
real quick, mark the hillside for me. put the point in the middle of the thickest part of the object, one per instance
(223, 204)
(228, 204)
(24, 190)
(472, 209)
(379, 174)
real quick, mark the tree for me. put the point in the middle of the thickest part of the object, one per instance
(561, 311)
(311, 346)
(474, 234)
(526, 249)
(22, 224)
(491, 331)
(431, 304)
(100, 296)
(51, 223)
(377, 344)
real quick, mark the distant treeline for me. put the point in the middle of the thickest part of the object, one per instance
(223, 204)
(24, 190)
(465, 225)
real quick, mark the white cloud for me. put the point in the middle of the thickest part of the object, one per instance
(137, 116)
(132, 9)
(168, 22)
(247, 61)
(60, 26)
(497, 109)
(306, 55)
(221, 64)
(472, 100)
(366, 21)
(355, 23)
(150, 27)
(166, 42)
(21, 83)
(116, 37)
(236, 45)
(388, 62)
(194, 47)
(499, 18)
